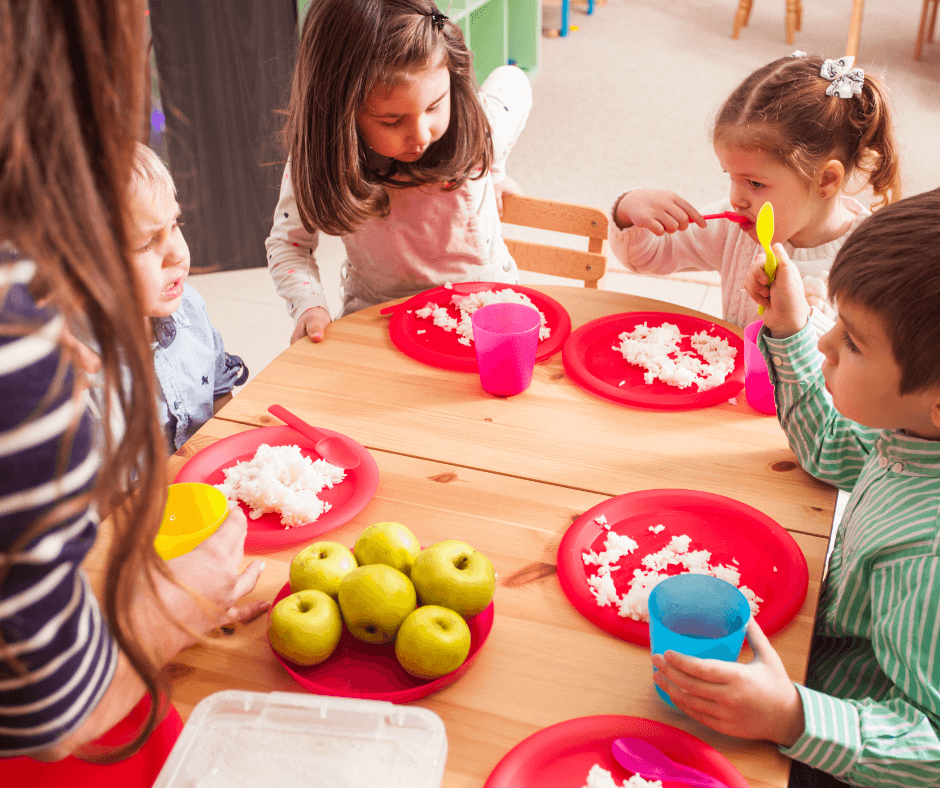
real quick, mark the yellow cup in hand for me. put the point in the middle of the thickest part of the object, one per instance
(193, 513)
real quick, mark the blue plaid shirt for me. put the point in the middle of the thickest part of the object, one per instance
(193, 368)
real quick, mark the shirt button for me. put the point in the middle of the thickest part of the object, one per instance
(507, 266)
(897, 467)
(176, 404)
(777, 360)
(882, 462)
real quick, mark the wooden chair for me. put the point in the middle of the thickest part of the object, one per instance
(589, 266)
(925, 27)
(794, 17)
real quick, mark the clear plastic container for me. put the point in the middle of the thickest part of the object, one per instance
(236, 739)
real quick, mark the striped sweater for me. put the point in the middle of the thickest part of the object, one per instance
(49, 619)
(872, 700)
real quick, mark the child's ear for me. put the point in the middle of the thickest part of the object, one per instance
(830, 178)
(935, 410)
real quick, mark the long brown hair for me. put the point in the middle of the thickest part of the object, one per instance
(782, 108)
(890, 264)
(71, 81)
(347, 48)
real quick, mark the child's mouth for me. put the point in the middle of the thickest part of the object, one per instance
(175, 290)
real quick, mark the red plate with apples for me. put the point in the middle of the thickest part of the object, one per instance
(347, 498)
(770, 561)
(563, 754)
(432, 345)
(364, 670)
(592, 362)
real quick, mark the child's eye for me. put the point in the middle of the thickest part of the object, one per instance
(391, 125)
(143, 249)
(177, 224)
(755, 184)
(847, 341)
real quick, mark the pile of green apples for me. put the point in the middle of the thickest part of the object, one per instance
(385, 589)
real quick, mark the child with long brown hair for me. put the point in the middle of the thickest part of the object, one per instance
(795, 133)
(71, 79)
(392, 146)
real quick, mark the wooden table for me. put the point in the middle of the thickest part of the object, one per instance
(509, 476)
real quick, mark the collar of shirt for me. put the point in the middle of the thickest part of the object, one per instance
(903, 453)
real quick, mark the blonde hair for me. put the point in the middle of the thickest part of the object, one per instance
(150, 171)
(348, 48)
(782, 109)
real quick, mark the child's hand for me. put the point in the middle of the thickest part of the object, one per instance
(311, 324)
(657, 210)
(756, 700)
(506, 186)
(785, 307)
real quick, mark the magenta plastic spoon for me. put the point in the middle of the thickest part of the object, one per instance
(460, 288)
(734, 217)
(642, 758)
(332, 448)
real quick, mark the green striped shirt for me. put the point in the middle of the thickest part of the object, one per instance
(872, 700)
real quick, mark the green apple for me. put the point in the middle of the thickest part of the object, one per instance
(305, 627)
(321, 566)
(387, 543)
(374, 600)
(432, 641)
(454, 575)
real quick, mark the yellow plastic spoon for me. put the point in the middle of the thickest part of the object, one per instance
(765, 234)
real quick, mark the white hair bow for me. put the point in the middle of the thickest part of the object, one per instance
(846, 81)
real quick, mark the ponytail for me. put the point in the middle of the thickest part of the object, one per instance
(783, 108)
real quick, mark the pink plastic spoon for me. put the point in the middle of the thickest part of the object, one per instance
(332, 448)
(642, 758)
(734, 217)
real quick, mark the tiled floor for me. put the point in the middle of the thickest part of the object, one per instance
(255, 325)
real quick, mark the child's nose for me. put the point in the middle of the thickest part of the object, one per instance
(421, 133)
(739, 198)
(828, 343)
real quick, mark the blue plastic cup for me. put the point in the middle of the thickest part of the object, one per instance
(698, 615)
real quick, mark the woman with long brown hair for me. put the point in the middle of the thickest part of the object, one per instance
(71, 85)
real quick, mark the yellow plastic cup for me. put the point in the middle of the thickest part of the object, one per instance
(193, 513)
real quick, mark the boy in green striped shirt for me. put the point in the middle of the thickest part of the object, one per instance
(869, 714)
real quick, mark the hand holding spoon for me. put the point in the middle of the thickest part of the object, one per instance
(765, 234)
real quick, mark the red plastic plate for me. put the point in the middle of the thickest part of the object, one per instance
(592, 362)
(770, 561)
(363, 670)
(439, 348)
(563, 754)
(347, 498)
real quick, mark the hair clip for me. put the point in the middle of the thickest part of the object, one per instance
(797, 53)
(438, 21)
(846, 81)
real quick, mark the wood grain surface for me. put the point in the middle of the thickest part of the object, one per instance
(509, 476)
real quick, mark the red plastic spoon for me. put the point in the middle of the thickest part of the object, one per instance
(332, 448)
(734, 217)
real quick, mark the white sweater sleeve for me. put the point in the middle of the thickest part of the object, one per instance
(506, 96)
(694, 249)
(291, 261)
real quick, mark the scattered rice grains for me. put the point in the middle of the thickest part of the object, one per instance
(656, 349)
(634, 603)
(467, 305)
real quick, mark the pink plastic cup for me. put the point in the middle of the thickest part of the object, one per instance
(757, 386)
(505, 337)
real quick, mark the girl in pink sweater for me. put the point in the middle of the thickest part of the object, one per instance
(795, 133)
(393, 147)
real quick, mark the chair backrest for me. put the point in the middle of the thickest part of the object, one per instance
(588, 266)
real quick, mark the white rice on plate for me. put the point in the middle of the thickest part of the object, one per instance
(281, 479)
(467, 305)
(656, 349)
(599, 777)
(635, 603)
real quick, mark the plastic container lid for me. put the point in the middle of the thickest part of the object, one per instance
(236, 738)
